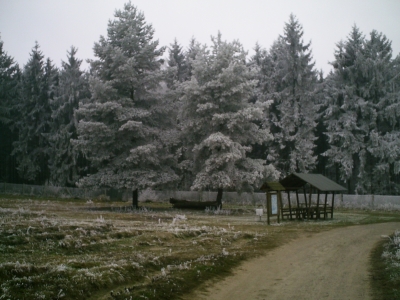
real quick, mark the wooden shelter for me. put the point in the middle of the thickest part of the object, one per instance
(308, 183)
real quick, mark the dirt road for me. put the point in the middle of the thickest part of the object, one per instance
(327, 265)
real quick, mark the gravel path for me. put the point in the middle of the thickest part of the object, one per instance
(327, 265)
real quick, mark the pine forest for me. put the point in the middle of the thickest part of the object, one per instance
(202, 117)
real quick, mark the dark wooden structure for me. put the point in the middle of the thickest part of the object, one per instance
(307, 184)
(178, 203)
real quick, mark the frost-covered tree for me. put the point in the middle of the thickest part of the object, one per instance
(121, 127)
(220, 124)
(290, 81)
(340, 113)
(38, 82)
(362, 113)
(177, 72)
(65, 162)
(263, 68)
(382, 110)
(9, 76)
(178, 69)
(191, 53)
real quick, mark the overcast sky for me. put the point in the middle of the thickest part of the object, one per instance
(58, 24)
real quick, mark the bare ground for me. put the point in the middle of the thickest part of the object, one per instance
(327, 265)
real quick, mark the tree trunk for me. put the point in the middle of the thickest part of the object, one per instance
(219, 198)
(135, 198)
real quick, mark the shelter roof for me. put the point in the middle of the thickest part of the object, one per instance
(272, 186)
(298, 180)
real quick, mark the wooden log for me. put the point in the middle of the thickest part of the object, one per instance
(179, 203)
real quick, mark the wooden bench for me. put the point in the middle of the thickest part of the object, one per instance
(294, 211)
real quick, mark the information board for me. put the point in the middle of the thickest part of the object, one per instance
(274, 204)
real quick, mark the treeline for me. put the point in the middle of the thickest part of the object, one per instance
(205, 117)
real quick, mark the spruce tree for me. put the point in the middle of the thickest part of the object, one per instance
(177, 65)
(177, 72)
(120, 126)
(220, 123)
(38, 82)
(191, 53)
(362, 112)
(9, 77)
(65, 162)
(262, 65)
(290, 81)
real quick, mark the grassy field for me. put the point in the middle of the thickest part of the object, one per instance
(77, 249)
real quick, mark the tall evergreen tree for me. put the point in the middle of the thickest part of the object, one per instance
(178, 71)
(292, 117)
(263, 67)
(362, 113)
(344, 137)
(220, 125)
(9, 77)
(65, 162)
(191, 54)
(38, 82)
(321, 144)
(120, 125)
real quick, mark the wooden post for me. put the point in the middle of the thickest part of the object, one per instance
(298, 205)
(135, 198)
(290, 205)
(326, 199)
(333, 203)
(305, 201)
(318, 205)
(279, 204)
(267, 206)
(309, 203)
(219, 198)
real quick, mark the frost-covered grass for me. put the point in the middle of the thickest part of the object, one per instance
(77, 249)
(391, 258)
(385, 260)
(392, 253)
